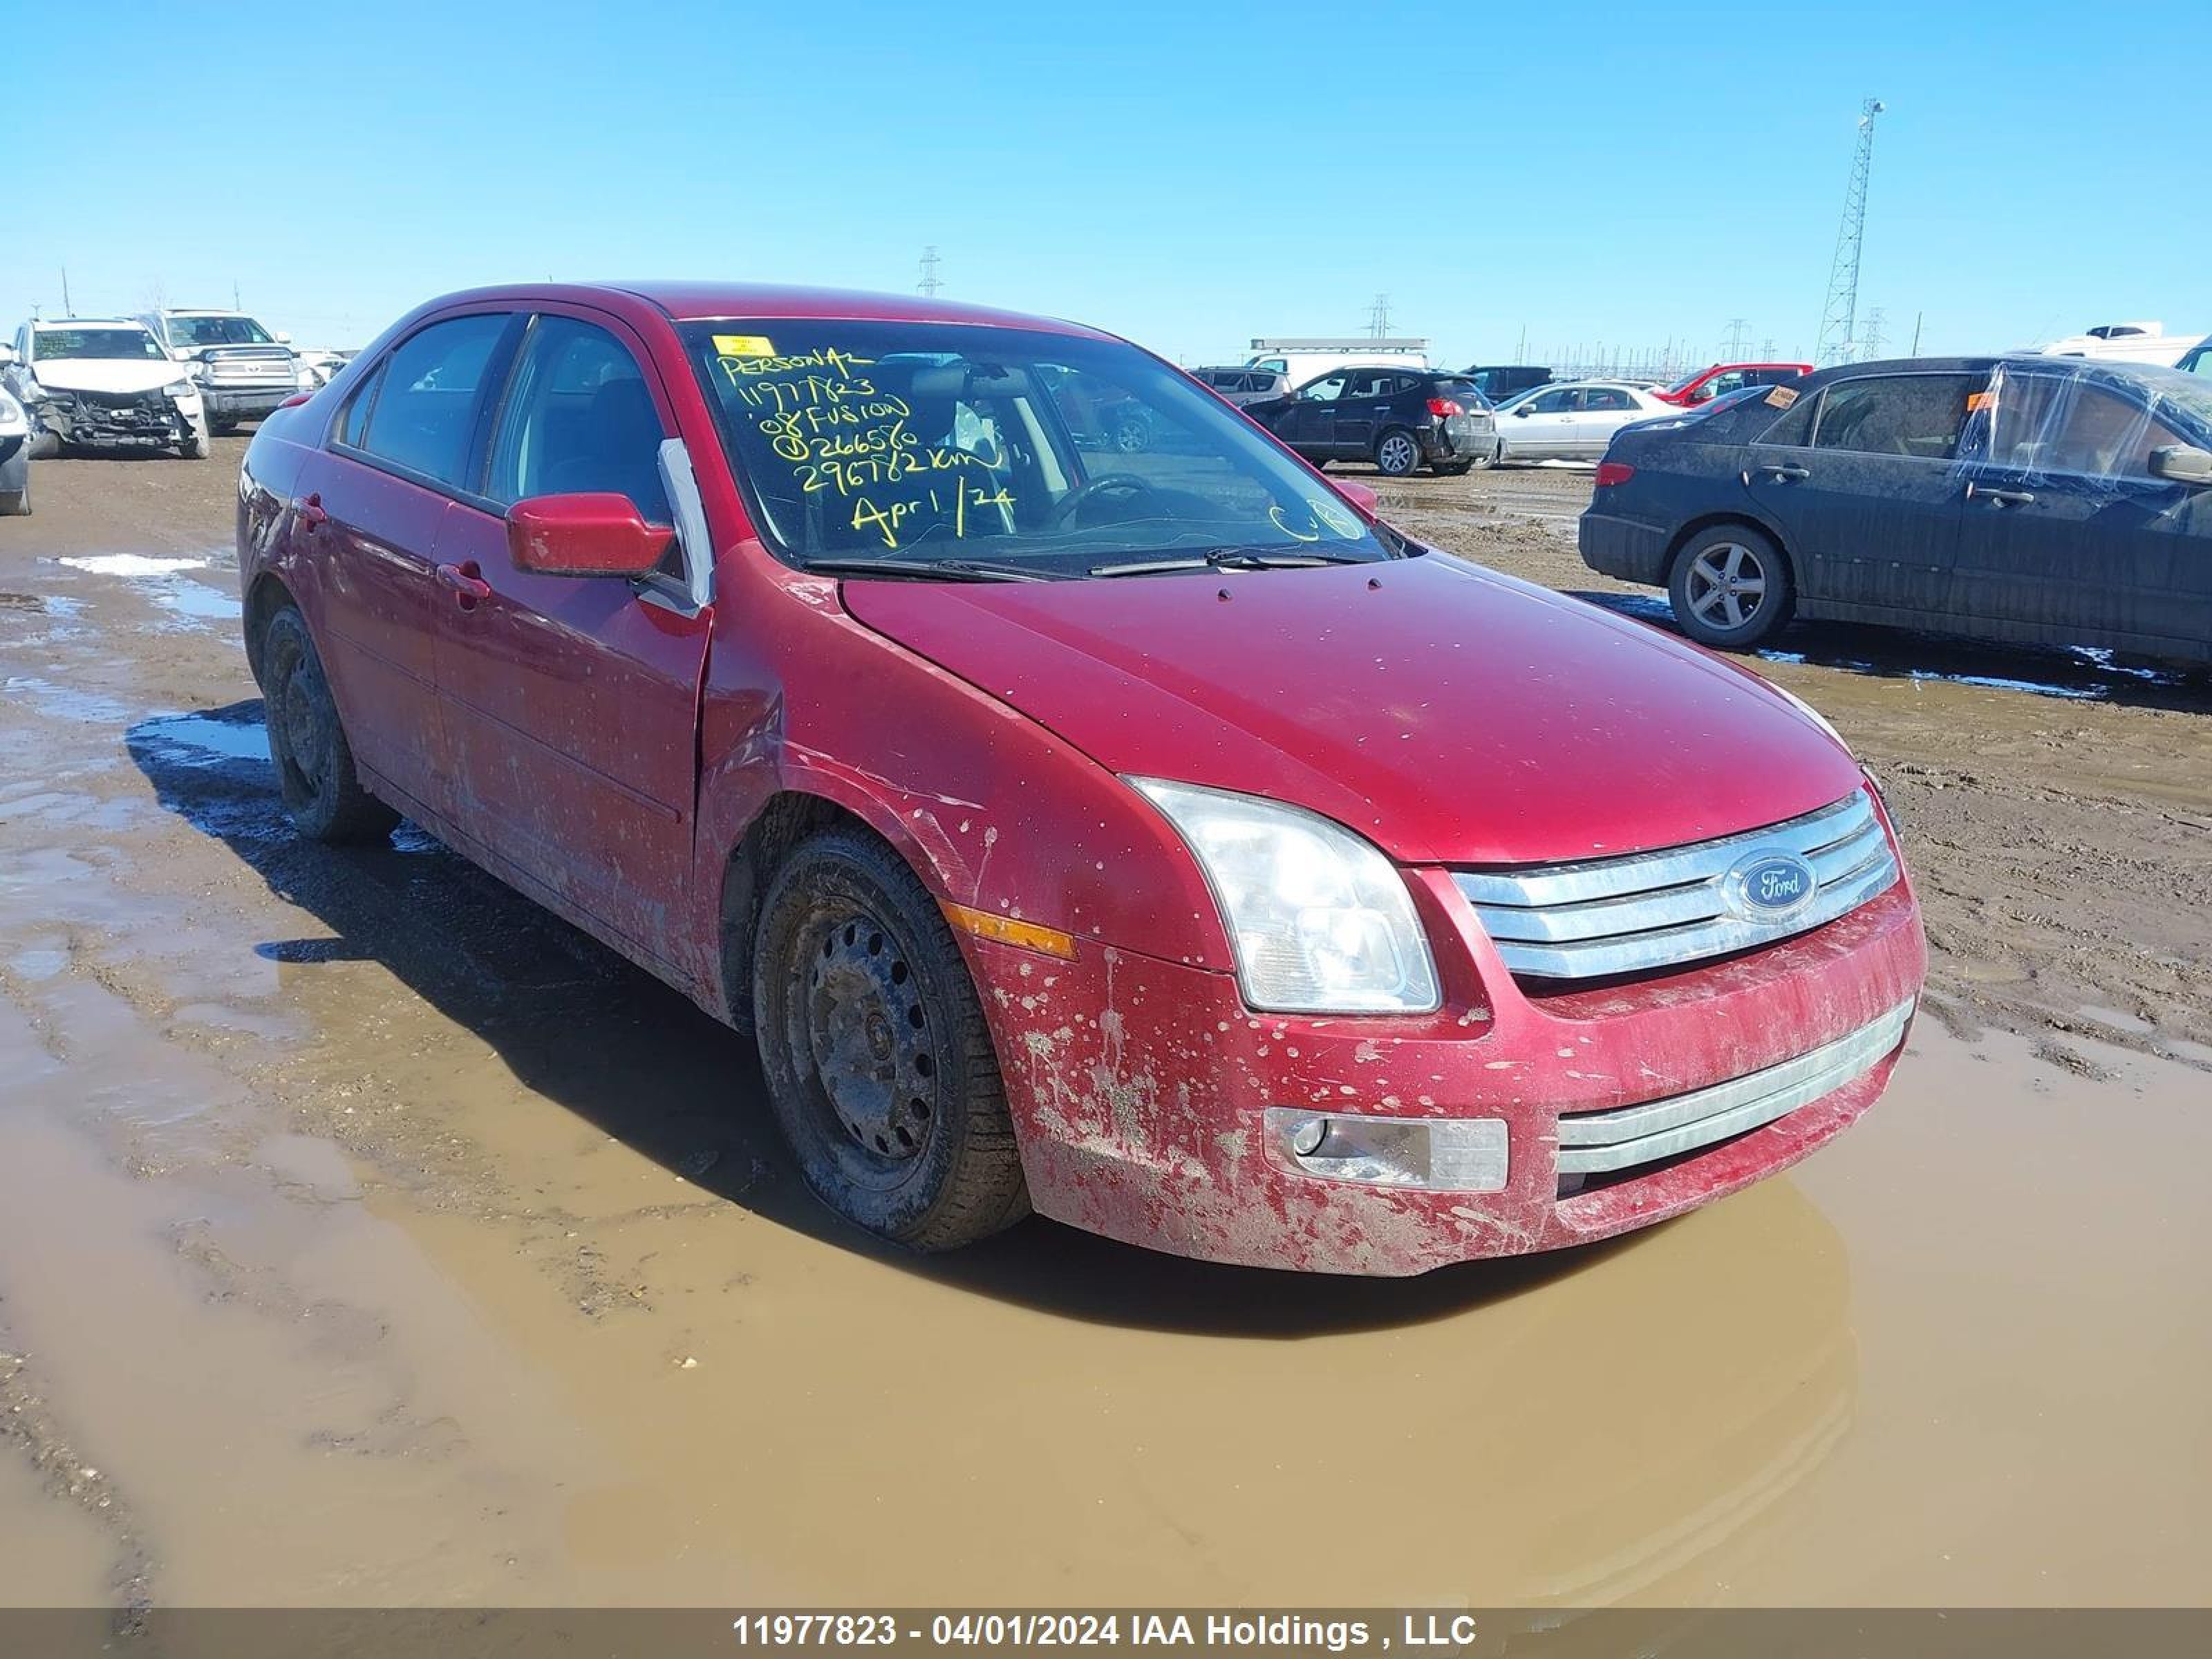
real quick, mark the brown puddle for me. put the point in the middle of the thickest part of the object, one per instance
(371, 1239)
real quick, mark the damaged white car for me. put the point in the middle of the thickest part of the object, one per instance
(103, 383)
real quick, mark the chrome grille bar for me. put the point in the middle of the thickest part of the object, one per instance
(1598, 1143)
(1669, 908)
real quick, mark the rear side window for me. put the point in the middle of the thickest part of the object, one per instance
(579, 419)
(424, 411)
(1913, 415)
(1607, 397)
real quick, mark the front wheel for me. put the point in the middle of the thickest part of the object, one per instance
(879, 1066)
(1396, 454)
(314, 764)
(1731, 588)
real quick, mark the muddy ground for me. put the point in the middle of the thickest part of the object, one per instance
(368, 1238)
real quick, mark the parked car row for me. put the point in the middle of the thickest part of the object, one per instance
(2029, 498)
(166, 379)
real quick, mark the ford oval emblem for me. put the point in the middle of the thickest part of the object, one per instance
(1770, 886)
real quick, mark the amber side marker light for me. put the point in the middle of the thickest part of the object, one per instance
(1009, 930)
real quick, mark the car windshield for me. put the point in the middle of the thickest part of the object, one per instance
(1689, 380)
(57, 343)
(217, 331)
(2190, 392)
(1038, 452)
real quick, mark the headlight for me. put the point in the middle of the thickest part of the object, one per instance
(181, 389)
(12, 418)
(1321, 921)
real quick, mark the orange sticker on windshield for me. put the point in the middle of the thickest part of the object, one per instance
(1782, 397)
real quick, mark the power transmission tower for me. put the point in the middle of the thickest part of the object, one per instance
(1732, 351)
(1378, 318)
(929, 282)
(1840, 320)
(1871, 338)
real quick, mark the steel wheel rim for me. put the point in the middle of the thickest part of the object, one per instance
(299, 717)
(1728, 585)
(1397, 454)
(866, 1032)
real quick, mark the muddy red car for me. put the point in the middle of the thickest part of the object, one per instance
(1156, 840)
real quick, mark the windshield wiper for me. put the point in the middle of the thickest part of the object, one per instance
(953, 570)
(1231, 558)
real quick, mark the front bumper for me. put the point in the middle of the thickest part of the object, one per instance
(243, 402)
(1141, 1090)
(95, 420)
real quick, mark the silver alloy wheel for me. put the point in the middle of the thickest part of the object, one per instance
(1397, 456)
(1728, 585)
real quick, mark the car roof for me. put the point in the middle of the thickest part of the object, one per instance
(88, 322)
(697, 301)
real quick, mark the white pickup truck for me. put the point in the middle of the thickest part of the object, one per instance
(242, 370)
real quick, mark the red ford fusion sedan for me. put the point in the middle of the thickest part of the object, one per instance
(1156, 840)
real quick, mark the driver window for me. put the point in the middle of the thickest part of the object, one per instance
(1327, 390)
(579, 419)
(1550, 403)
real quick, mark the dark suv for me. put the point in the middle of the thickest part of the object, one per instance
(1401, 419)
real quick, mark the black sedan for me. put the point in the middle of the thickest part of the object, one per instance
(1401, 419)
(2035, 500)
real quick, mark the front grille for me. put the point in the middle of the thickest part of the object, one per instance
(1670, 909)
(1627, 1137)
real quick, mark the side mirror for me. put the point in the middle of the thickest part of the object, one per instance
(584, 535)
(1358, 495)
(283, 338)
(2182, 463)
(1523, 411)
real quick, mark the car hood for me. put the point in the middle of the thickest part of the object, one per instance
(1448, 713)
(107, 373)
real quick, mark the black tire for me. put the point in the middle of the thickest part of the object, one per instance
(1732, 588)
(879, 1065)
(1453, 469)
(195, 446)
(307, 744)
(222, 429)
(1397, 453)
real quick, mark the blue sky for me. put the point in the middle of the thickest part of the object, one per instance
(1187, 174)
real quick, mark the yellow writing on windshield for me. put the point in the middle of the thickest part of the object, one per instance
(845, 434)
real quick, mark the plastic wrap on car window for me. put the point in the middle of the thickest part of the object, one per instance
(2094, 426)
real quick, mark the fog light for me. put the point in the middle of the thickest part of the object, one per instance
(1443, 1155)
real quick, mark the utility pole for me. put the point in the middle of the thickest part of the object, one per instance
(68, 310)
(1916, 316)
(929, 282)
(1839, 318)
(1378, 318)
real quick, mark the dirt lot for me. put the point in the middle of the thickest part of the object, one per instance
(367, 1237)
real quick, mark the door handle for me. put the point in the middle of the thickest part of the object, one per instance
(1783, 474)
(2001, 497)
(310, 512)
(466, 580)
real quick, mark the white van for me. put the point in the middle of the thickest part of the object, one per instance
(1302, 359)
(2125, 343)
